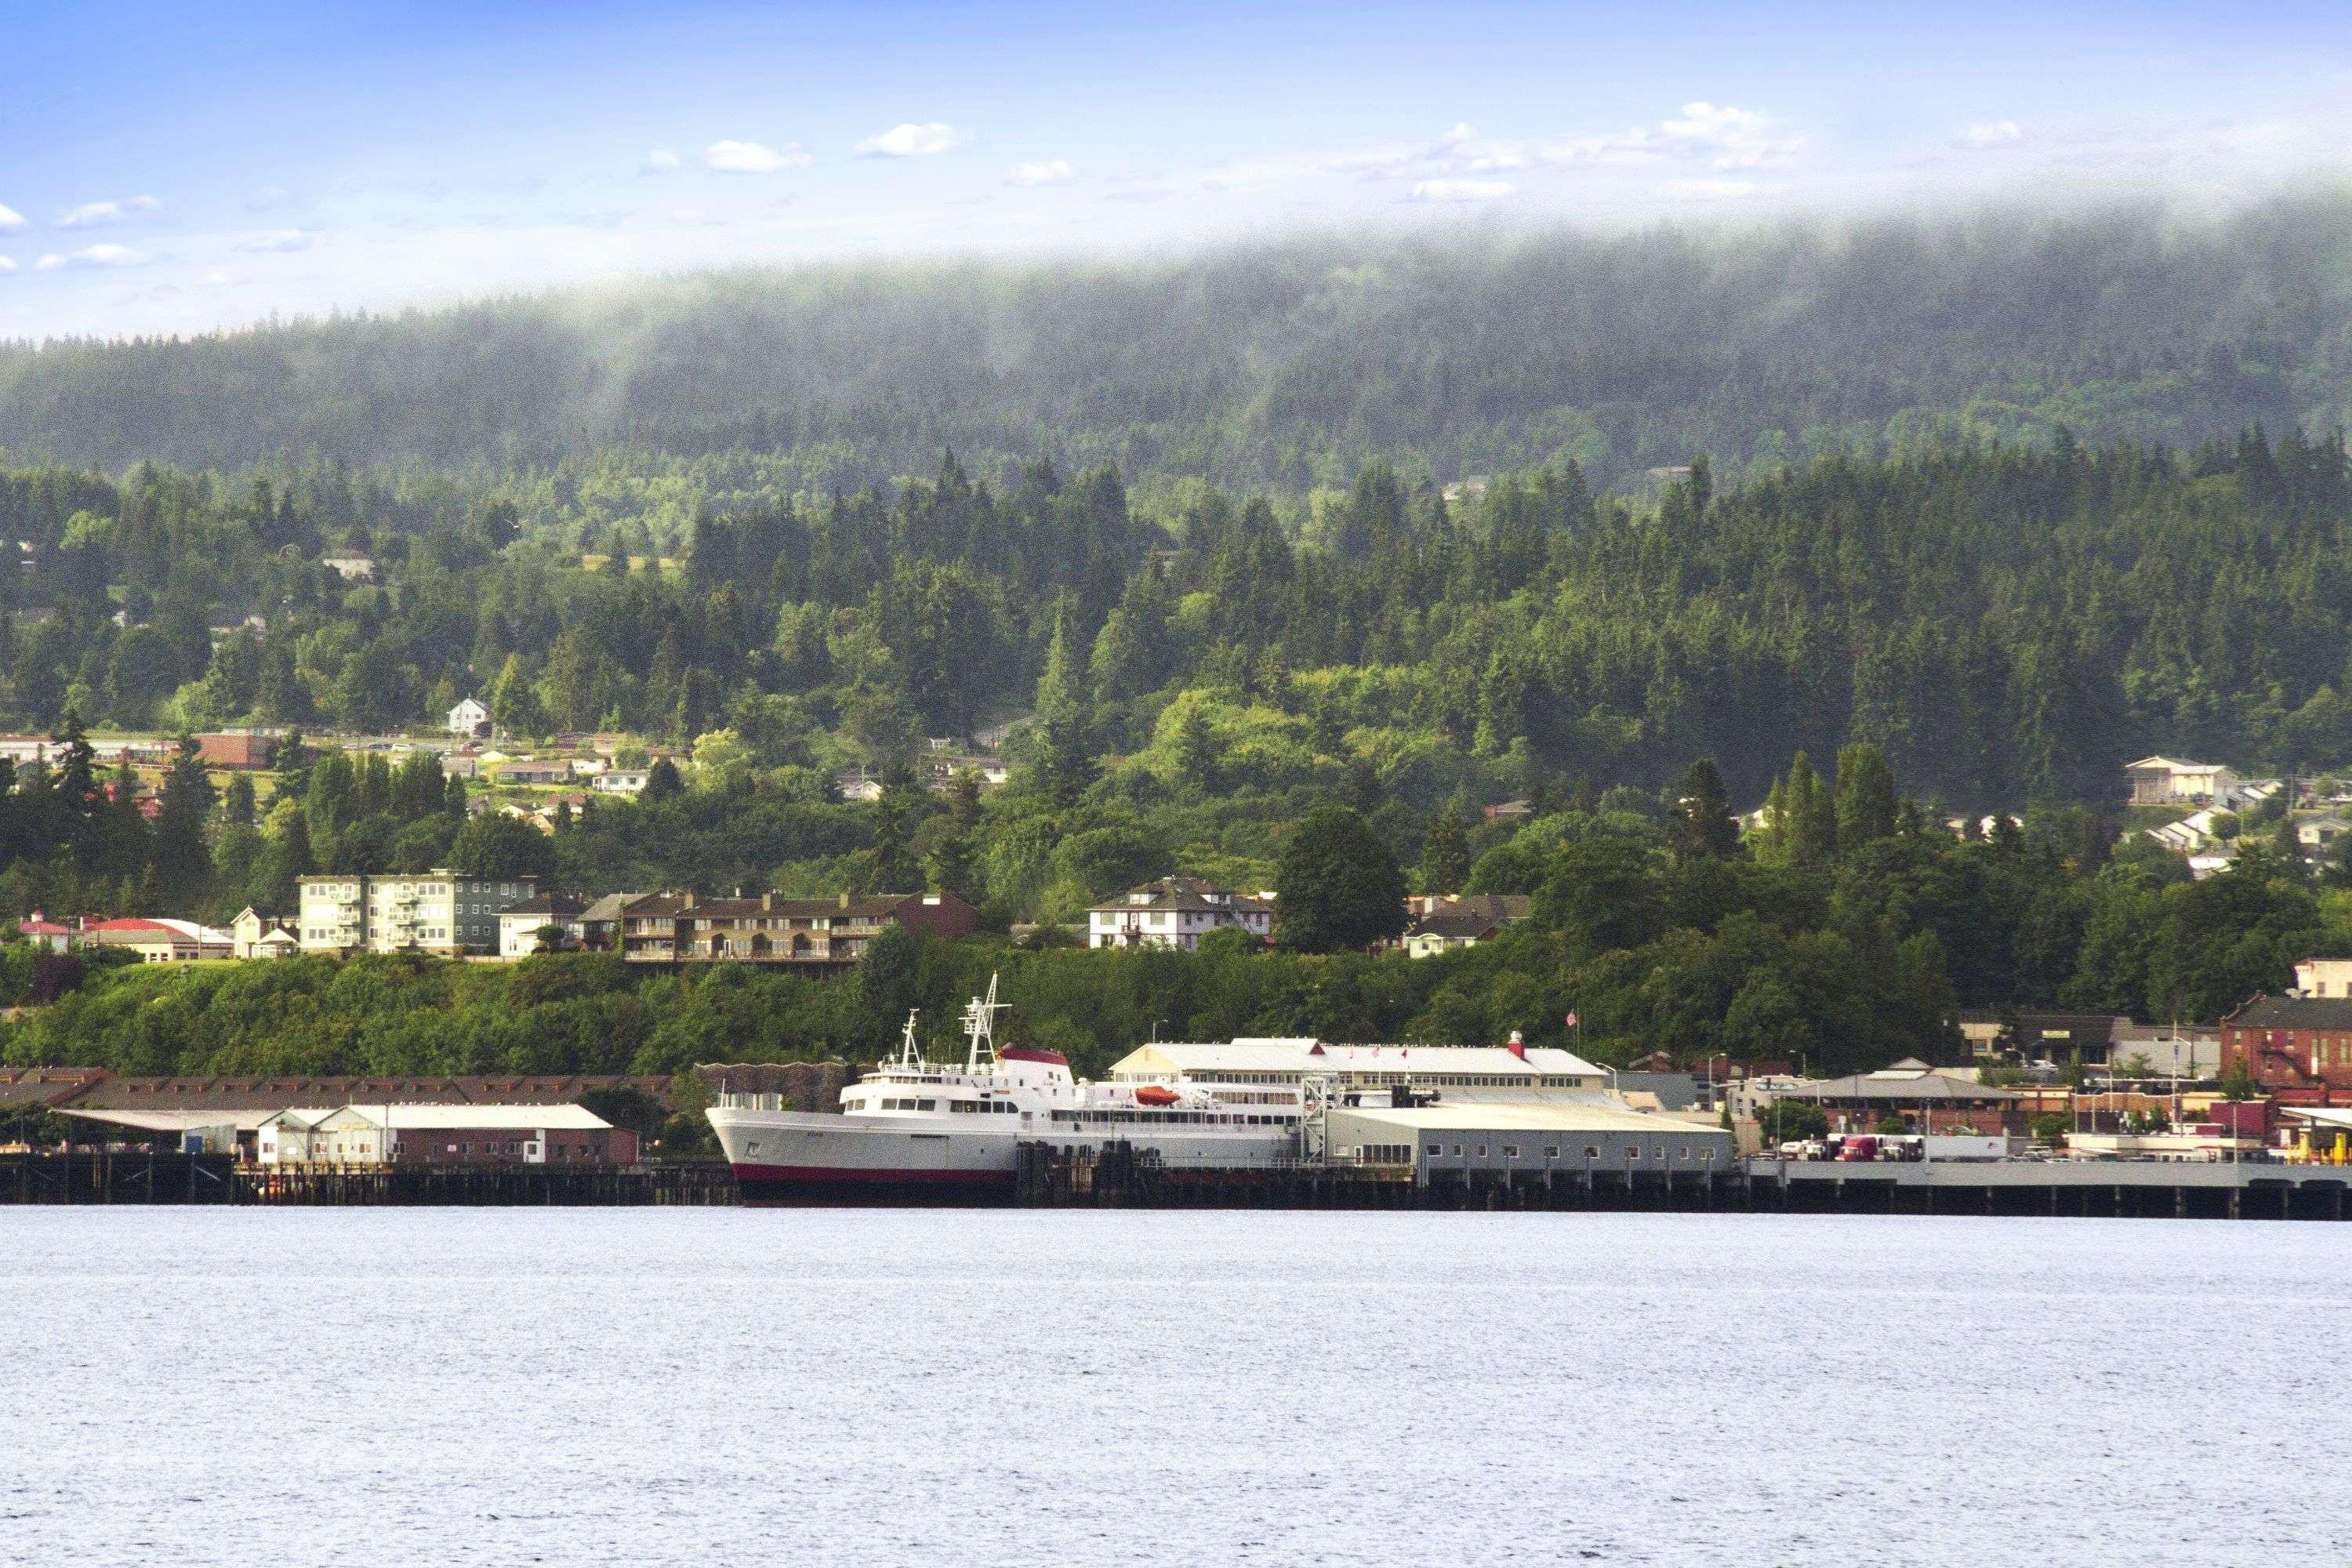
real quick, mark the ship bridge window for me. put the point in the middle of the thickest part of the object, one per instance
(927, 1105)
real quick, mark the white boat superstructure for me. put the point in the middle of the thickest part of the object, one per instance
(923, 1132)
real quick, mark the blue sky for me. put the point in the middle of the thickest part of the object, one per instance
(164, 168)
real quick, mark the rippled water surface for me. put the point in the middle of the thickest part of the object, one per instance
(727, 1387)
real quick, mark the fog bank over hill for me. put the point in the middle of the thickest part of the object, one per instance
(1289, 363)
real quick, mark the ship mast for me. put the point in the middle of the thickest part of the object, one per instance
(980, 1028)
(911, 1054)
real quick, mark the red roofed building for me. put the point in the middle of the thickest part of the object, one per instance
(45, 933)
(160, 942)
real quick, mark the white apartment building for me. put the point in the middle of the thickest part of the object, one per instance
(1175, 911)
(431, 911)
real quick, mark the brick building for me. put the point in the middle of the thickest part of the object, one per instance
(687, 928)
(2296, 1048)
(242, 750)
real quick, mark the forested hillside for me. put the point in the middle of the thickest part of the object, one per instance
(1979, 512)
(2006, 626)
(1292, 364)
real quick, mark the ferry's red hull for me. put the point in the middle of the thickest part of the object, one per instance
(784, 1186)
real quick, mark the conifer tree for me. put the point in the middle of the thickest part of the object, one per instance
(1866, 805)
(1065, 762)
(1445, 852)
(1701, 827)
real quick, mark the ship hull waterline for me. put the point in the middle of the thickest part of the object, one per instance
(818, 1186)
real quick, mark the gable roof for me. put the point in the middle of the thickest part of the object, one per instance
(1901, 1087)
(2293, 1013)
(1194, 894)
(1457, 925)
(558, 906)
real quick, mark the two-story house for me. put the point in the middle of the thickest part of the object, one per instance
(1176, 912)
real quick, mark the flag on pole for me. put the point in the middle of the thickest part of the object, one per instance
(1569, 1020)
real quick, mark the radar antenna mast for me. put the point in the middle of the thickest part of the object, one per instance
(911, 1054)
(980, 1028)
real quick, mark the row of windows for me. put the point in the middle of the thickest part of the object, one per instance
(984, 1107)
(1163, 1118)
(1591, 1152)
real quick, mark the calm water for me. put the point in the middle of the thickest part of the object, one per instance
(722, 1387)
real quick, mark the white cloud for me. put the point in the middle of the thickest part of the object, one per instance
(1991, 132)
(7, 264)
(215, 278)
(275, 239)
(1045, 172)
(660, 160)
(1459, 190)
(1738, 138)
(266, 198)
(98, 215)
(92, 255)
(11, 220)
(754, 157)
(1711, 190)
(1464, 147)
(1727, 136)
(912, 140)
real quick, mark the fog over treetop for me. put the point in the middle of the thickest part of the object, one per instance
(1289, 363)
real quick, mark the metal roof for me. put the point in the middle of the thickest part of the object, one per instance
(1900, 1088)
(428, 1118)
(269, 1092)
(245, 1118)
(1307, 1056)
(1547, 1116)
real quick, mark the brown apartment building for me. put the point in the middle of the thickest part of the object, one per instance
(687, 928)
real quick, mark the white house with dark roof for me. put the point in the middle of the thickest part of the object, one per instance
(1176, 912)
(2168, 781)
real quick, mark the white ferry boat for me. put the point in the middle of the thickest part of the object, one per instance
(915, 1130)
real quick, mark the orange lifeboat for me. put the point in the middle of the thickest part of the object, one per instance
(1156, 1094)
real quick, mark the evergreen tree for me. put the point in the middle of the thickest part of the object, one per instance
(955, 856)
(890, 863)
(1197, 756)
(514, 703)
(181, 856)
(1065, 757)
(1700, 826)
(1445, 852)
(1866, 805)
(662, 782)
(237, 804)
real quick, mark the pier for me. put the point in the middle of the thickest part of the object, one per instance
(107, 1177)
(2146, 1189)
